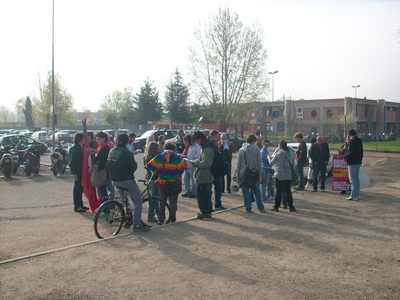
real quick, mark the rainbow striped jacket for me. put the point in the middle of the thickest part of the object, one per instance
(168, 166)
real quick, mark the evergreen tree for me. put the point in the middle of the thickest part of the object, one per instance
(148, 106)
(28, 113)
(177, 99)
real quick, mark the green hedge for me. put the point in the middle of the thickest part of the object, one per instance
(385, 146)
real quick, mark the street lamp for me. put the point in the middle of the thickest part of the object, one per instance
(272, 83)
(355, 87)
(53, 98)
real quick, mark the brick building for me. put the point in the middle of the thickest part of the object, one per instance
(325, 116)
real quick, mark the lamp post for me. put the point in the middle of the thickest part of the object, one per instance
(272, 83)
(355, 87)
(53, 98)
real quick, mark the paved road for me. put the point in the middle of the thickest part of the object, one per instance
(38, 206)
(330, 249)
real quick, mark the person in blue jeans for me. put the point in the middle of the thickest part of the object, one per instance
(218, 169)
(267, 191)
(152, 151)
(301, 155)
(353, 157)
(249, 164)
(100, 160)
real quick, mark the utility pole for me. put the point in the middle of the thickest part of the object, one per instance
(272, 83)
(53, 98)
(355, 87)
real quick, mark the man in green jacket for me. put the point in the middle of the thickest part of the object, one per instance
(203, 175)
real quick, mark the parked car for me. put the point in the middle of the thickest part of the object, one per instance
(41, 136)
(68, 131)
(235, 141)
(109, 132)
(295, 146)
(25, 132)
(140, 142)
(62, 137)
(4, 131)
(13, 140)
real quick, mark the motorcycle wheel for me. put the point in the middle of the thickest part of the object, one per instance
(7, 174)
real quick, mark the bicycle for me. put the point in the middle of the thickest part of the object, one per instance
(115, 213)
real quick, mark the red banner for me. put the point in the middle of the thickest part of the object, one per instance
(340, 178)
(88, 189)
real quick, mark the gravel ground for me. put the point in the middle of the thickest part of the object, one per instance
(329, 249)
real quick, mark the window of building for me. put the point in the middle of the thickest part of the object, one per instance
(314, 114)
(329, 114)
(276, 114)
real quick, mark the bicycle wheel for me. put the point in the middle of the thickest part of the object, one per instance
(146, 204)
(167, 210)
(109, 218)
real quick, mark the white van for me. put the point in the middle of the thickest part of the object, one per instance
(40, 136)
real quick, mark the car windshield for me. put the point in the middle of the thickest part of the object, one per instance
(25, 140)
(171, 133)
(146, 134)
(9, 140)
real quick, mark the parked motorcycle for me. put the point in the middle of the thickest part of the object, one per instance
(31, 162)
(7, 165)
(59, 161)
(8, 162)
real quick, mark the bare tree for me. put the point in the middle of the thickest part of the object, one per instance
(228, 62)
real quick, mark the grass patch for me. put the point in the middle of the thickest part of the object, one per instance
(385, 146)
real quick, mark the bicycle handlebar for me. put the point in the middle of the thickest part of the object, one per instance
(147, 181)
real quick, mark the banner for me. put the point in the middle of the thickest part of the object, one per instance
(88, 189)
(340, 178)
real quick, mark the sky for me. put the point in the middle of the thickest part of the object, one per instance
(320, 48)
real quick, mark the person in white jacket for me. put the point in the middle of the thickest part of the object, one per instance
(192, 152)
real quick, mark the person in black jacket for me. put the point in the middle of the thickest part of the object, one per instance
(218, 169)
(122, 166)
(100, 161)
(354, 156)
(301, 155)
(226, 149)
(76, 160)
(319, 154)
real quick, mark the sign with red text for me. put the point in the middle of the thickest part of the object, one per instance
(340, 178)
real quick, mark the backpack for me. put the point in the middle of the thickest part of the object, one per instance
(218, 166)
(251, 177)
(117, 164)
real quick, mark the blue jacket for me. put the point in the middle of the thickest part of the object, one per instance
(264, 159)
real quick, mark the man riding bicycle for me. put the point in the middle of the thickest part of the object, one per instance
(122, 166)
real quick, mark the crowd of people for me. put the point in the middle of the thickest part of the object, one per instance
(200, 166)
